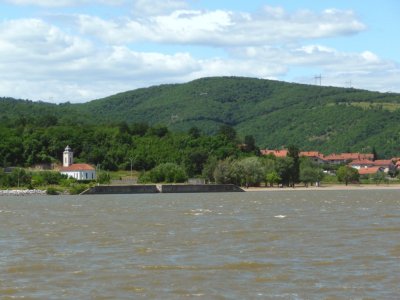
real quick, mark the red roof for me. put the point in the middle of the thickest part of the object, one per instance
(362, 162)
(277, 153)
(77, 167)
(367, 171)
(311, 154)
(350, 156)
(383, 162)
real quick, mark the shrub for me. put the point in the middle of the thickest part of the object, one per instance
(167, 172)
(76, 189)
(51, 191)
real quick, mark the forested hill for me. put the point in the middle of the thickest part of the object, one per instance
(276, 113)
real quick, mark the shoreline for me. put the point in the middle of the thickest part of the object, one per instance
(328, 187)
(21, 192)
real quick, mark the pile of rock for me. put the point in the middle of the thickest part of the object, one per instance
(21, 192)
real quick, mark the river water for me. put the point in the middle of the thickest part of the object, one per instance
(255, 245)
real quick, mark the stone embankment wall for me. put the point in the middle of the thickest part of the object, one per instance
(21, 192)
(122, 189)
(200, 188)
(163, 188)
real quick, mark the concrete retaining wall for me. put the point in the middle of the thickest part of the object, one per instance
(120, 189)
(163, 188)
(200, 188)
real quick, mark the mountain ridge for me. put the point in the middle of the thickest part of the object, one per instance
(327, 119)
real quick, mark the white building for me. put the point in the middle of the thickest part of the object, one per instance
(77, 171)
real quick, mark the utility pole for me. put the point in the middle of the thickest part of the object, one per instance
(131, 160)
(318, 78)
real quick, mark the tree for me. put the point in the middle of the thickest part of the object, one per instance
(374, 153)
(167, 172)
(309, 172)
(222, 172)
(227, 132)
(249, 171)
(209, 167)
(272, 178)
(250, 143)
(378, 177)
(194, 132)
(347, 174)
(284, 168)
(294, 173)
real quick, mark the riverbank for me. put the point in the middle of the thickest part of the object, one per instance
(21, 192)
(330, 187)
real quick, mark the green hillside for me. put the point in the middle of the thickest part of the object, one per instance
(276, 113)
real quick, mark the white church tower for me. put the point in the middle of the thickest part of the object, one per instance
(68, 157)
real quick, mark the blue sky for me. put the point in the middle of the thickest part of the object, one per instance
(80, 50)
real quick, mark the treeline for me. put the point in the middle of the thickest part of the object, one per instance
(325, 119)
(246, 171)
(117, 147)
(157, 153)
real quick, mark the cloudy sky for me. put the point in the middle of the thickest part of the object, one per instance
(80, 50)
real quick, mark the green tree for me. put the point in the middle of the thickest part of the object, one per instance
(347, 174)
(272, 178)
(250, 143)
(227, 132)
(222, 172)
(249, 171)
(167, 172)
(294, 172)
(310, 172)
(208, 169)
(378, 177)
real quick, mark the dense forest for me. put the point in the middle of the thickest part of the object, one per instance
(157, 153)
(276, 114)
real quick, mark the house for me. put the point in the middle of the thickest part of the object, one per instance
(345, 158)
(77, 171)
(314, 156)
(385, 164)
(277, 153)
(369, 171)
(361, 164)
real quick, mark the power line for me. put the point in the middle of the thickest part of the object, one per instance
(318, 78)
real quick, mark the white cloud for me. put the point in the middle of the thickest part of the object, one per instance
(63, 3)
(224, 28)
(97, 57)
(156, 7)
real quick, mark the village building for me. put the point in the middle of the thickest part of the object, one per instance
(361, 164)
(314, 156)
(365, 172)
(277, 153)
(77, 171)
(344, 158)
(385, 164)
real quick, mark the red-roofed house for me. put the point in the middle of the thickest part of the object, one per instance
(77, 171)
(361, 164)
(315, 156)
(276, 153)
(369, 171)
(386, 164)
(348, 157)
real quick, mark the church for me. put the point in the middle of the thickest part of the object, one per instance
(77, 171)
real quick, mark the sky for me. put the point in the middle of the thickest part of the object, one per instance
(80, 50)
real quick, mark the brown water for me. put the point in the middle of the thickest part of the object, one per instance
(262, 245)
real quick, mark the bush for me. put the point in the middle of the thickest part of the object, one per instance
(51, 191)
(76, 189)
(103, 178)
(167, 172)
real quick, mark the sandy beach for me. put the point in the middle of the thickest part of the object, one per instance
(330, 187)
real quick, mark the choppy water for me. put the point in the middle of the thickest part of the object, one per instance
(262, 245)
